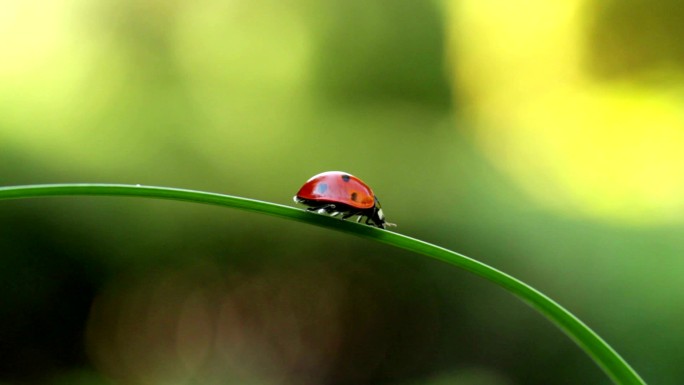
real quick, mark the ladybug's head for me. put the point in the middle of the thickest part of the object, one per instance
(378, 217)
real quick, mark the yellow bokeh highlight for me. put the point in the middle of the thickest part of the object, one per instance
(609, 150)
(95, 80)
(43, 66)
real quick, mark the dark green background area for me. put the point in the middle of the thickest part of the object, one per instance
(211, 109)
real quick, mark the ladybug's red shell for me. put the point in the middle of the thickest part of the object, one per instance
(338, 187)
(340, 193)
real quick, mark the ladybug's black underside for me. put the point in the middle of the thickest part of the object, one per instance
(335, 208)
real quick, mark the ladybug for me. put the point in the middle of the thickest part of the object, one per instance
(337, 192)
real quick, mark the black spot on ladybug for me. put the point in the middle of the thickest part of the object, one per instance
(345, 178)
(321, 188)
(354, 196)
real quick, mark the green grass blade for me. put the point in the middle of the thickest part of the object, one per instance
(607, 358)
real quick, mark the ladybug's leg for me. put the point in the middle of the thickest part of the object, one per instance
(328, 208)
(349, 214)
(372, 222)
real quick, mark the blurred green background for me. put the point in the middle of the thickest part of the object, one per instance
(543, 138)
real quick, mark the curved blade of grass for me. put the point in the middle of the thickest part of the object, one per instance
(607, 358)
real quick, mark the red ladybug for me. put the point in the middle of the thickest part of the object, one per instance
(337, 192)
